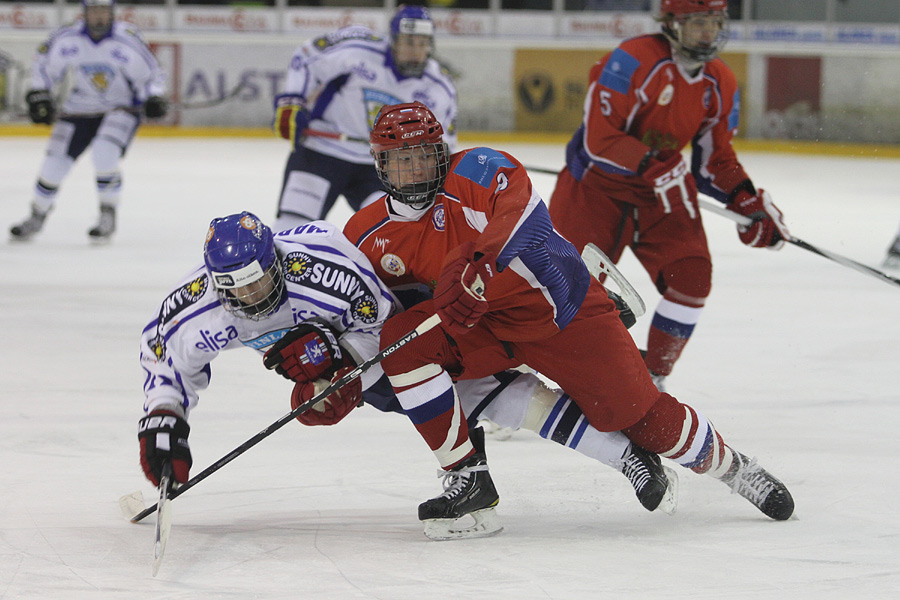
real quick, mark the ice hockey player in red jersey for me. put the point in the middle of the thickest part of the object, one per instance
(509, 290)
(626, 183)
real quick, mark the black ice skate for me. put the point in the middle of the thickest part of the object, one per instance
(29, 227)
(656, 486)
(757, 485)
(106, 226)
(468, 492)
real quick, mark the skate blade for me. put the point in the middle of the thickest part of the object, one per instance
(131, 504)
(669, 502)
(486, 524)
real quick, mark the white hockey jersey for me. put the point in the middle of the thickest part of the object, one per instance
(119, 70)
(345, 78)
(326, 277)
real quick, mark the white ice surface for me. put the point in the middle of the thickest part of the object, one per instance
(796, 359)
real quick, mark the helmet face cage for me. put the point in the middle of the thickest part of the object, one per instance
(244, 268)
(412, 31)
(411, 158)
(697, 28)
(255, 301)
(98, 17)
(413, 175)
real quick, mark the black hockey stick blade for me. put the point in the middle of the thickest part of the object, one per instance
(426, 325)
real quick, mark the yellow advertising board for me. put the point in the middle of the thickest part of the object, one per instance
(550, 86)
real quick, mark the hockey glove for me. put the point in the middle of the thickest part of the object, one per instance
(163, 436)
(334, 407)
(156, 107)
(459, 295)
(40, 106)
(291, 118)
(307, 352)
(768, 229)
(671, 179)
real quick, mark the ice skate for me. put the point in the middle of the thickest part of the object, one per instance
(757, 485)
(29, 227)
(468, 492)
(656, 486)
(106, 226)
(892, 260)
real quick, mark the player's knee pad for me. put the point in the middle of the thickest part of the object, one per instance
(305, 195)
(105, 155)
(118, 128)
(689, 279)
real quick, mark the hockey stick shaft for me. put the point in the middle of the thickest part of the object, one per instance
(426, 325)
(842, 260)
(341, 137)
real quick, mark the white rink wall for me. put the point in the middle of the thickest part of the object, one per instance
(520, 71)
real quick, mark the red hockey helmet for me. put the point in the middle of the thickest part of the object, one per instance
(698, 29)
(411, 157)
(687, 7)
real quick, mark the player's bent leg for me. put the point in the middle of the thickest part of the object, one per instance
(521, 400)
(681, 433)
(687, 283)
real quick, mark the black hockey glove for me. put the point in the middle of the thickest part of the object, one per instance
(156, 107)
(625, 313)
(40, 106)
(163, 436)
(307, 352)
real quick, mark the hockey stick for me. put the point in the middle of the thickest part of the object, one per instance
(842, 260)
(543, 170)
(212, 102)
(746, 221)
(423, 327)
(597, 262)
(341, 137)
(163, 518)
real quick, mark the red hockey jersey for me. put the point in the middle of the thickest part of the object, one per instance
(487, 198)
(640, 99)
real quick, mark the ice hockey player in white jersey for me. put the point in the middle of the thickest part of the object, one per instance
(336, 84)
(114, 80)
(308, 301)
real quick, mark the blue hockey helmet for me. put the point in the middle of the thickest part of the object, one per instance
(243, 265)
(412, 39)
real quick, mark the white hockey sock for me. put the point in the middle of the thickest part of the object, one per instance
(554, 416)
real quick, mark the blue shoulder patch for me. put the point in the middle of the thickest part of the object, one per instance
(735, 116)
(618, 71)
(480, 165)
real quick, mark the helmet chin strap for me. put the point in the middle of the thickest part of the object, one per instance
(408, 212)
(691, 65)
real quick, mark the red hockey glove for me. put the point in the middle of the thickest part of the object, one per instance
(459, 295)
(291, 118)
(307, 352)
(163, 438)
(768, 229)
(671, 179)
(334, 407)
